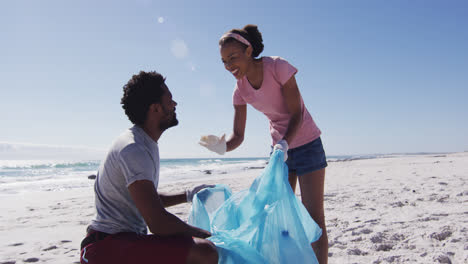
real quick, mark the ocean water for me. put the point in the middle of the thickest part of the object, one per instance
(55, 175)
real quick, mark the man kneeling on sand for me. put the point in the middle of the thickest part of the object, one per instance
(126, 196)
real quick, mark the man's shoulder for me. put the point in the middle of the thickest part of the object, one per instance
(132, 142)
(132, 149)
(124, 139)
(125, 142)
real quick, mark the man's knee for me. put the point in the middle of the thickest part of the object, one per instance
(203, 251)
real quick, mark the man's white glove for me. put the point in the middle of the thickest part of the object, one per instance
(283, 145)
(191, 192)
(214, 143)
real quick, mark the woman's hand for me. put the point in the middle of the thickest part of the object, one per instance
(283, 145)
(214, 143)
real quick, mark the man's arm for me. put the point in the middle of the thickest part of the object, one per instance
(172, 199)
(160, 221)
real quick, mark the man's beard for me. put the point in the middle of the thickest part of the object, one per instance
(170, 122)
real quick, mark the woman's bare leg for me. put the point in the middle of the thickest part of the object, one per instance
(312, 191)
(292, 177)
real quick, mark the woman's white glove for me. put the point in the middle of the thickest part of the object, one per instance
(191, 192)
(283, 145)
(214, 143)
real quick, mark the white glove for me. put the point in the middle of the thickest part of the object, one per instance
(214, 143)
(283, 145)
(191, 192)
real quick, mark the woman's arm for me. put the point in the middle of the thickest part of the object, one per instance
(292, 97)
(240, 118)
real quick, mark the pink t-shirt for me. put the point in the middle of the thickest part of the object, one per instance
(270, 101)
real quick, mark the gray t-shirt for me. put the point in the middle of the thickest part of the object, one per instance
(133, 156)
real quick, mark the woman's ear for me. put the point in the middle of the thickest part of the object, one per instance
(248, 51)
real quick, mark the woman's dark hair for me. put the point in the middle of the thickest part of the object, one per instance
(249, 32)
(140, 92)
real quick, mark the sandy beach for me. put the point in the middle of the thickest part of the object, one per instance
(395, 209)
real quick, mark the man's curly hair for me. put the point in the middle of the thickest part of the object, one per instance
(142, 90)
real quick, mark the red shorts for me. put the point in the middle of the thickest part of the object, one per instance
(131, 248)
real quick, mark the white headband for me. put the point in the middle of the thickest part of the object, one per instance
(237, 37)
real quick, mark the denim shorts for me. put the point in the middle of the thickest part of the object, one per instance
(307, 158)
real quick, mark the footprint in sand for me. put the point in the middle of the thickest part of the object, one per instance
(372, 221)
(391, 259)
(410, 247)
(16, 244)
(384, 247)
(397, 204)
(443, 259)
(365, 231)
(397, 237)
(429, 218)
(30, 260)
(378, 238)
(357, 252)
(443, 234)
(433, 197)
(443, 199)
(353, 228)
(442, 214)
(50, 248)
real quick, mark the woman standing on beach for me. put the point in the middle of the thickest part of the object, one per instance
(269, 85)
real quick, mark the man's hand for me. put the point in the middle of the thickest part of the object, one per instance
(191, 192)
(201, 233)
(214, 143)
(283, 145)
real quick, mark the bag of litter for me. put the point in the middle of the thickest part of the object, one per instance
(266, 223)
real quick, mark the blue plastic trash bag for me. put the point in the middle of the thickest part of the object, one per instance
(266, 223)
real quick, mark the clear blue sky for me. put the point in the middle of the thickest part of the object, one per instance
(377, 76)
